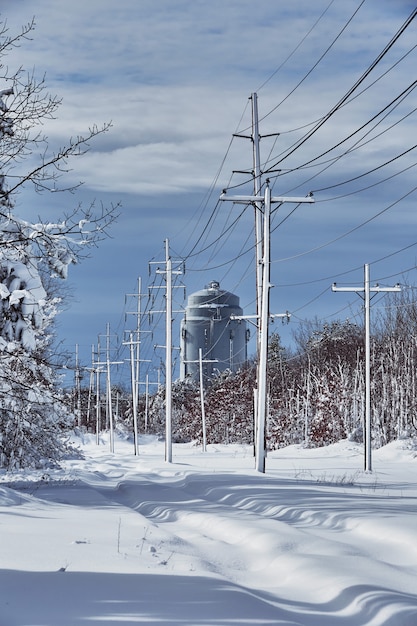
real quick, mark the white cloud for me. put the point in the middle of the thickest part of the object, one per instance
(175, 77)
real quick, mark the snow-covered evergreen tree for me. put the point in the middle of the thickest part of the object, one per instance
(32, 256)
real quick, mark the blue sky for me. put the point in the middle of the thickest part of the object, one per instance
(175, 77)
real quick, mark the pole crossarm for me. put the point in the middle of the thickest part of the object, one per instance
(154, 311)
(251, 318)
(360, 290)
(274, 199)
(108, 362)
(256, 317)
(203, 361)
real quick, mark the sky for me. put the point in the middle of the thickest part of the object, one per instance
(125, 539)
(175, 79)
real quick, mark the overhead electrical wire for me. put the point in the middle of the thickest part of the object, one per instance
(358, 267)
(321, 57)
(348, 232)
(311, 70)
(399, 98)
(362, 175)
(228, 227)
(350, 91)
(371, 186)
(357, 177)
(212, 187)
(371, 171)
(359, 144)
(294, 50)
(350, 95)
(222, 234)
(374, 169)
(350, 100)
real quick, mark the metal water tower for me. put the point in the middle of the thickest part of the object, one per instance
(207, 324)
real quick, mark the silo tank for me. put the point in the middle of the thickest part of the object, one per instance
(210, 323)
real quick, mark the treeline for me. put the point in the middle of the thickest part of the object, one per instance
(316, 391)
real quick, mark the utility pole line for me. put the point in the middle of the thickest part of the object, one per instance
(261, 411)
(365, 293)
(168, 272)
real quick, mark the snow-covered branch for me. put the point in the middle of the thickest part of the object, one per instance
(32, 255)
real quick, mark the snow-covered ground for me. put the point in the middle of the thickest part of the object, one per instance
(206, 540)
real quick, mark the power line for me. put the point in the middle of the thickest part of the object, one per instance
(352, 89)
(275, 72)
(311, 70)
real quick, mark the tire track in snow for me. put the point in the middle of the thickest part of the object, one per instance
(241, 537)
(240, 545)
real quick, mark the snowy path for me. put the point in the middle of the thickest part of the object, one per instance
(207, 540)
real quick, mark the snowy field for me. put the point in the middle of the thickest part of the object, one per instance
(206, 540)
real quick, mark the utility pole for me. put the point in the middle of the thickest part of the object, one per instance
(91, 386)
(97, 369)
(139, 295)
(264, 316)
(77, 387)
(263, 346)
(365, 293)
(257, 187)
(135, 360)
(108, 389)
(107, 363)
(262, 253)
(168, 272)
(135, 393)
(203, 412)
(168, 356)
(146, 402)
(255, 137)
(146, 382)
(135, 388)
